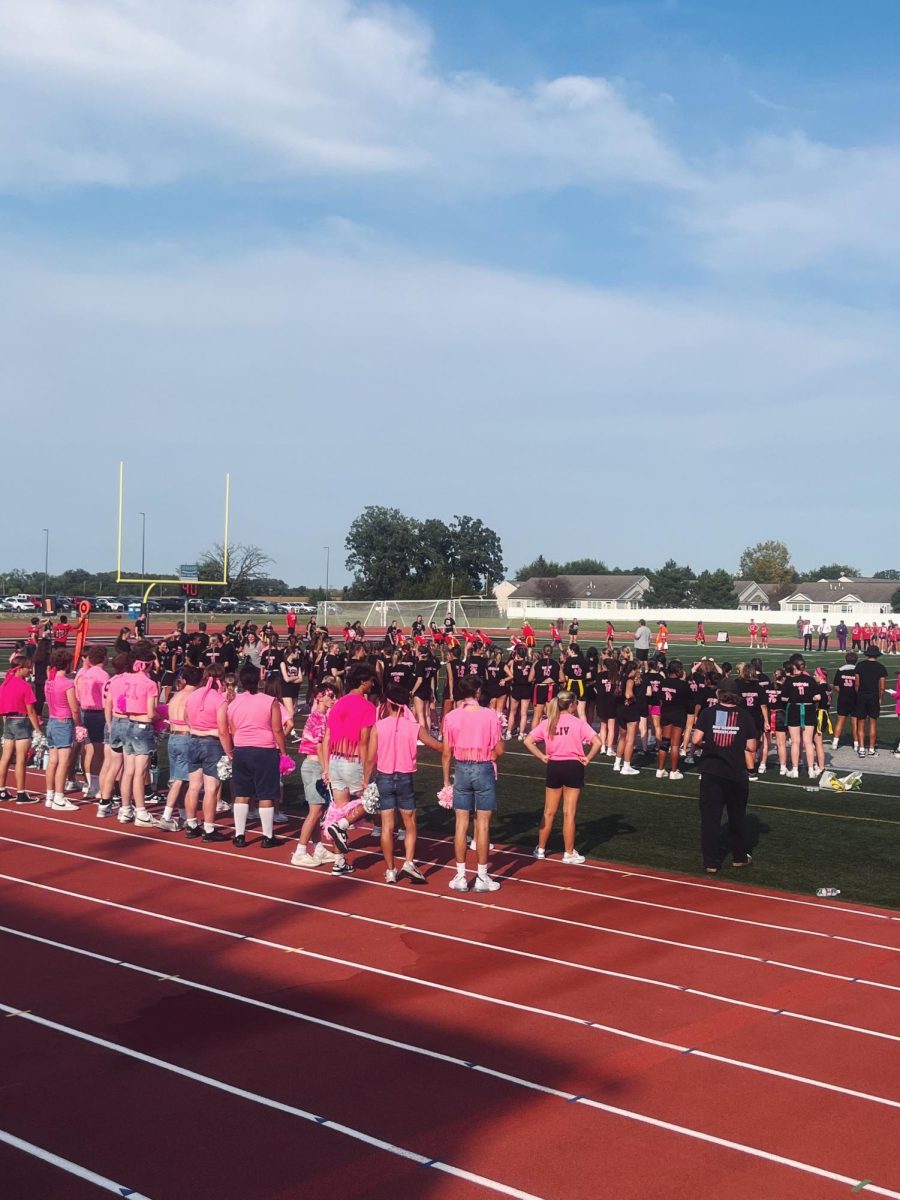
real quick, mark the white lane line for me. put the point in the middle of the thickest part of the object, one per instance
(556, 887)
(358, 1135)
(480, 997)
(607, 972)
(436, 1164)
(66, 1164)
(351, 1031)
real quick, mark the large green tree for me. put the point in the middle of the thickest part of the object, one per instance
(671, 586)
(891, 574)
(830, 571)
(391, 554)
(714, 589)
(539, 568)
(768, 562)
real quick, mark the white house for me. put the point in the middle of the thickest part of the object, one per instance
(843, 597)
(578, 592)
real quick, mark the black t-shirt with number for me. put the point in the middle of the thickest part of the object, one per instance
(845, 685)
(801, 689)
(546, 672)
(675, 699)
(270, 661)
(870, 672)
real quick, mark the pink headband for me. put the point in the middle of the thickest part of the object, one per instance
(141, 664)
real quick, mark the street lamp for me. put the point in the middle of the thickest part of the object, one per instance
(46, 561)
(327, 550)
(143, 517)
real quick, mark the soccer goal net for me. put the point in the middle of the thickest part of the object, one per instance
(473, 612)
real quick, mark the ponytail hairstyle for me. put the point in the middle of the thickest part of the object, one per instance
(561, 702)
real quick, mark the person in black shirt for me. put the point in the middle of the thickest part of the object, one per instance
(495, 689)
(727, 734)
(544, 680)
(844, 684)
(270, 659)
(674, 699)
(607, 689)
(418, 627)
(802, 696)
(518, 672)
(871, 676)
(754, 700)
(422, 693)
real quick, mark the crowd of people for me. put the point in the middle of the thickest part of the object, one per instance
(357, 709)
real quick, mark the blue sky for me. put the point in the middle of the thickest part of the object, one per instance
(619, 279)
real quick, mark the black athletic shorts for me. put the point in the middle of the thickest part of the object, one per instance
(642, 655)
(626, 714)
(565, 774)
(521, 691)
(846, 705)
(677, 718)
(867, 706)
(802, 715)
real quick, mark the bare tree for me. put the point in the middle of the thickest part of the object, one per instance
(246, 565)
(552, 591)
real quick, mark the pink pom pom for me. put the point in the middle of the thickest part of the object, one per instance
(445, 797)
(81, 734)
(286, 764)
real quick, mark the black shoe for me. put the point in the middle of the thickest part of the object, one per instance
(239, 840)
(345, 869)
(27, 798)
(339, 837)
(216, 836)
(193, 831)
(6, 795)
(269, 843)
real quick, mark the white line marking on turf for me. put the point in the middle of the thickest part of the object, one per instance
(267, 1102)
(65, 1164)
(375, 852)
(436, 1164)
(449, 937)
(352, 1031)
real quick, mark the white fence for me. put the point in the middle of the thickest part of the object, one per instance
(622, 618)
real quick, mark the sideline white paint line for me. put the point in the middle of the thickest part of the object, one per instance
(448, 937)
(351, 1031)
(447, 1168)
(66, 1164)
(267, 1102)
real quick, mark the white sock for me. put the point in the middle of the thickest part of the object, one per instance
(193, 823)
(267, 820)
(343, 823)
(240, 818)
(339, 861)
(167, 812)
(302, 848)
(59, 796)
(50, 794)
(482, 871)
(460, 870)
(209, 827)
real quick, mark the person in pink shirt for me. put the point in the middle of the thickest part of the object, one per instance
(473, 737)
(347, 764)
(18, 707)
(63, 715)
(394, 745)
(115, 725)
(564, 735)
(90, 683)
(255, 723)
(324, 698)
(207, 720)
(136, 699)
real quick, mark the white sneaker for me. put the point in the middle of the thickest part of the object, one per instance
(574, 859)
(486, 884)
(689, 759)
(390, 876)
(676, 775)
(126, 815)
(376, 831)
(142, 817)
(617, 764)
(472, 844)
(793, 773)
(167, 824)
(321, 855)
(762, 769)
(302, 858)
(628, 769)
(222, 806)
(71, 786)
(459, 883)
(834, 744)
(48, 801)
(63, 805)
(815, 773)
(540, 852)
(281, 818)
(400, 835)
(661, 774)
(782, 770)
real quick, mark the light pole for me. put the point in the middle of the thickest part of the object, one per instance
(46, 561)
(143, 517)
(327, 550)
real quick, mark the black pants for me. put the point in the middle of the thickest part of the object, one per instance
(807, 641)
(717, 793)
(823, 641)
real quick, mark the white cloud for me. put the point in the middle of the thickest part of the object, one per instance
(145, 91)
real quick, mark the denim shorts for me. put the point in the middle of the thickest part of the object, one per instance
(138, 737)
(310, 772)
(346, 775)
(255, 774)
(177, 749)
(115, 736)
(16, 729)
(60, 733)
(203, 754)
(395, 790)
(95, 724)
(475, 786)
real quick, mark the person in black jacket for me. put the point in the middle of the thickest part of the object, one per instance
(728, 736)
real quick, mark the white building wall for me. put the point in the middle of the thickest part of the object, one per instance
(518, 610)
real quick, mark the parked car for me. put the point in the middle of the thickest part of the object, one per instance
(23, 603)
(109, 604)
(4, 607)
(228, 603)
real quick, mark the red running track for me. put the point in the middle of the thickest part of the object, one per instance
(201, 1021)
